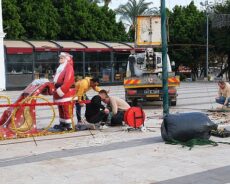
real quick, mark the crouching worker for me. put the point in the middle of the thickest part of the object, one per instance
(223, 93)
(63, 80)
(82, 86)
(118, 107)
(95, 111)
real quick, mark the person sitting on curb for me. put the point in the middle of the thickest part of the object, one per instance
(223, 93)
(118, 107)
(95, 111)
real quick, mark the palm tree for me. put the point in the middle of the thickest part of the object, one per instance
(106, 2)
(133, 8)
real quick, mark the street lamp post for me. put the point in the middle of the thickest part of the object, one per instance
(207, 7)
(164, 59)
(207, 45)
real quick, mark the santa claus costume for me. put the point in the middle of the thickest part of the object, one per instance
(63, 81)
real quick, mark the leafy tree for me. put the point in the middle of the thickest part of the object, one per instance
(116, 31)
(11, 19)
(61, 19)
(82, 20)
(39, 18)
(186, 35)
(106, 2)
(221, 37)
(94, 1)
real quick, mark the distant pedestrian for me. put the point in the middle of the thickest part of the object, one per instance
(223, 93)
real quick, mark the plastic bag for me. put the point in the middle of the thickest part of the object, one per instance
(186, 126)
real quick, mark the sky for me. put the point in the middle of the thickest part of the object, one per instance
(155, 3)
(169, 3)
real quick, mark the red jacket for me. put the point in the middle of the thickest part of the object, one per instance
(63, 83)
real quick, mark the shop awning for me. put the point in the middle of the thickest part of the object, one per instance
(118, 46)
(25, 47)
(44, 46)
(17, 47)
(70, 46)
(95, 46)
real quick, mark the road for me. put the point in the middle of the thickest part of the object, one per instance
(194, 96)
(197, 96)
(116, 156)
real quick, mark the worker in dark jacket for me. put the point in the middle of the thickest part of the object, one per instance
(95, 111)
(132, 61)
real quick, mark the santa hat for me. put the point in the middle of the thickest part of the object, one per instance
(63, 54)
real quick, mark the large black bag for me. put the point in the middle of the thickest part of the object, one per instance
(186, 126)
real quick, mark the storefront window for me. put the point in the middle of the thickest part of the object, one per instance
(19, 70)
(45, 64)
(102, 70)
(97, 56)
(18, 63)
(119, 65)
(99, 65)
(119, 70)
(78, 64)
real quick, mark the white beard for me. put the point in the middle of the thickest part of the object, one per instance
(60, 68)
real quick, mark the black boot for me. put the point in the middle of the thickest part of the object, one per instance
(58, 127)
(67, 127)
(63, 126)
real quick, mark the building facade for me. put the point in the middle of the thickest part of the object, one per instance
(28, 60)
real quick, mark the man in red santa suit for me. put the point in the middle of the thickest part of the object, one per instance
(63, 81)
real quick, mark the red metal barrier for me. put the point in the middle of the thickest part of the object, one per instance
(19, 118)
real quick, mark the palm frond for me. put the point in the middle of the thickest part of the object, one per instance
(134, 8)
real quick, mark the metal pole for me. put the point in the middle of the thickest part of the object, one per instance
(2, 56)
(83, 61)
(112, 66)
(164, 60)
(207, 45)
